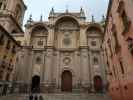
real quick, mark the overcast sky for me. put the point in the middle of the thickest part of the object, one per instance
(91, 7)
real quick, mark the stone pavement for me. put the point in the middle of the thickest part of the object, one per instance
(60, 96)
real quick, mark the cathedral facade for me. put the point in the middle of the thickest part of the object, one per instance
(61, 54)
(64, 53)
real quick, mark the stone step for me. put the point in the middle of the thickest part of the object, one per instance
(61, 96)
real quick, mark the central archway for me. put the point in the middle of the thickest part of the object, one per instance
(35, 87)
(66, 81)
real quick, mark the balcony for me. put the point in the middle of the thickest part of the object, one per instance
(8, 12)
(130, 45)
(131, 48)
(127, 25)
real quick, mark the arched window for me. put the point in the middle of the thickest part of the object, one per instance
(3, 4)
(39, 36)
(0, 5)
(94, 31)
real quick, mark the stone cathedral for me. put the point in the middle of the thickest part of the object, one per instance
(61, 54)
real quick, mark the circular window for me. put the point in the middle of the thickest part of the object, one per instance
(66, 61)
(67, 41)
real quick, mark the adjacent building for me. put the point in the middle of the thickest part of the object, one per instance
(11, 18)
(118, 49)
(11, 36)
(8, 47)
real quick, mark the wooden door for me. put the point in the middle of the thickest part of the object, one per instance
(66, 81)
(98, 84)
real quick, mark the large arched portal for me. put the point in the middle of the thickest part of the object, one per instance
(66, 33)
(35, 84)
(66, 84)
(98, 84)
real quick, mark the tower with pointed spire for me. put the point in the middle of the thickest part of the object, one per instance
(51, 13)
(41, 18)
(93, 19)
(82, 13)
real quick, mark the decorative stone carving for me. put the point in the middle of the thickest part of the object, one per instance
(68, 25)
(38, 60)
(67, 41)
(66, 60)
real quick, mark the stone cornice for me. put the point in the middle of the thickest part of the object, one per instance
(84, 47)
(82, 25)
(13, 19)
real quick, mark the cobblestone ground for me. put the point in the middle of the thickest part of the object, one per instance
(63, 96)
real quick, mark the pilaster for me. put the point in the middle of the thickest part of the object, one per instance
(83, 38)
(50, 42)
(49, 65)
(85, 68)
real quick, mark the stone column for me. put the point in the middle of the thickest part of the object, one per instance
(56, 69)
(83, 36)
(91, 70)
(85, 67)
(49, 55)
(84, 56)
(28, 64)
(50, 42)
(27, 35)
(43, 66)
(48, 66)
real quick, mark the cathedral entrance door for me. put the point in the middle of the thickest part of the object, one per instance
(98, 84)
(66, 84)
(35, 88)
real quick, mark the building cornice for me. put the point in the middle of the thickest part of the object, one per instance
(10, 16)
(8, 34)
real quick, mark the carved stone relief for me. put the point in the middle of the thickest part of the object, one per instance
(67, 61)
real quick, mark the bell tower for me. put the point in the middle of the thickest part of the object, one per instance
(12, 14)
